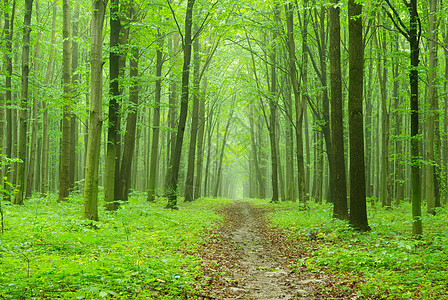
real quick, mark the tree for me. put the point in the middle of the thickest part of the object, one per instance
(23, 113)
(413, 35)
(189, 187)
(90, 201)
(358, 209)
(114, 114)
(64, 177)
(156, 124)
(298, 104)
(176, 154)
(340, 210)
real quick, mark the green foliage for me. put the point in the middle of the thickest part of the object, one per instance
(386, 263)
(142, 251)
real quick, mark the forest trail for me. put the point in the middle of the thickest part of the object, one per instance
(245, 260)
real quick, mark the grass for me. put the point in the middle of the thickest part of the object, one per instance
(386, 263)
(142, 251)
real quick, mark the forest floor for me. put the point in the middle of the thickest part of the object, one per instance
(248, 259)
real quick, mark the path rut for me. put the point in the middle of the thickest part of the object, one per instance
(244, 264)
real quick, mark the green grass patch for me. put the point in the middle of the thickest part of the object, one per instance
(386, 263)
(141, 251)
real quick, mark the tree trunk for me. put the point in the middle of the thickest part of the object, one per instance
(175, 160)
(64, 172)
(200, 145)
(23, 113)
(9, 31)
(74, 162)
(114, 94)
(156, 126)
(131, 125)
(340, 209)
(33, 145)
(189, 188)
(358, 210)
(273, 116)
(90, 201)
(298, 103)
(431, 167)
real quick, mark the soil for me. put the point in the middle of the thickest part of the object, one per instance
(247, 259)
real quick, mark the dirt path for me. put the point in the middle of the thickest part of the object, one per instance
(245, 260)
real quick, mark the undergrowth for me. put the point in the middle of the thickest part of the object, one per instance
(386, 263)
(141, 251)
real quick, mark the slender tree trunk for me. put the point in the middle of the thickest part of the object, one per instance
(289, 160)
(23, 113)
(45, 135)
(156, 127)
(414, 40)
(114, 94)
(358, 210)
(273, 116)
(74, 161)
(9, 31)
(189, 188)
(175, 160)
(298, 103)
(90, 202)
(131, 125)
(33, 145)
(64, 172)
(200, 145)
(431, 169)
(340, 209)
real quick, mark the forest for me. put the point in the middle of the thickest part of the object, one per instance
(149, 148)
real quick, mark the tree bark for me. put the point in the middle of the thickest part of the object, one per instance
(431, 167)
(114, 94)
(156, 126)
(298, 103)
(189, 187)
(23, 113)
(131, 125)
(9, 31)
(358, 210)
(200, 144)
(90, 201)
(66, 143)
(175, 160)
(340, 209)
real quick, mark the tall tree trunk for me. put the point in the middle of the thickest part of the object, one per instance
(289, 156)
(431, 167)
(358, 210)
(33, 145)
(414, 40)
(175, 160)
(23, 113)
(298, 103)
(64, 172)
(131, 124)
(189, 187)
(200, 144)
(273, 115)
(76, 80)
(385, 188)
(114, 94)
(340, 209)
(45, 135)
(90, 201)
(156, 126)
(9, 31)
